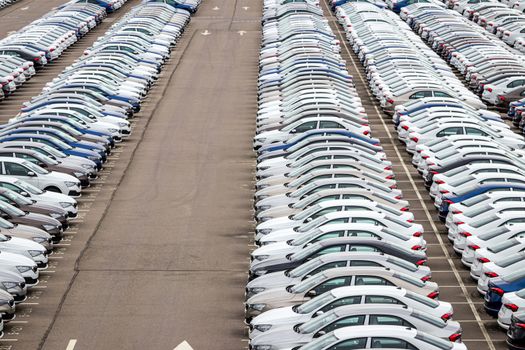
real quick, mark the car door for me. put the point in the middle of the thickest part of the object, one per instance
(349, 344)
(363, 280)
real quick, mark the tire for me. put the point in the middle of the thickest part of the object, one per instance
(53, 189)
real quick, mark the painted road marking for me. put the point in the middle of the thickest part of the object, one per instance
(71, 345)
(182, 346)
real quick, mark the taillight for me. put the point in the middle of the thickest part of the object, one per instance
(459, 222)
(433, 172)
(520, 325)
(474, 246)
(404, 127)
(415, 139)
(398, 197)
(440, 182)
(37, 59)
(501, 98)
(483, 260)
(405, 209)
(512, 307)
(457, 212)
(489, 89)
(448, 201)
(388, 168)
(465, 234)
(390, 101)
(455, 337)
(433, 295)
(447, 316)
(366, 132)
(416, 247)
(410, 220)
(390, 177)
(491, 274)
(421, 262)
(418, 234)
(444, 191)
(426, 278)
(498, 291)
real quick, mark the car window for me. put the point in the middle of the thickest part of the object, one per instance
(328, 250)
(328, 235)
(349, 344)
(364, 263)
(15, 169)
(345, 322)
(326, 124)
(457, 130)
(342, 302)
(474, 131)
(388, 320)
(332, 283)
(441, 94)
(371, 281)
(328, 266)
(362, 248)
(381, 299)
(306, 126)
(420, 94)
(385, 342)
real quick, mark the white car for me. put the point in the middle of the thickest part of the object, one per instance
(488, 254)
(371, 337)
(25, 247)
(511, 302)
(500, 268)
(40, 177)
(20, 264)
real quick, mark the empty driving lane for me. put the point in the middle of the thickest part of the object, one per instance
(168, 261)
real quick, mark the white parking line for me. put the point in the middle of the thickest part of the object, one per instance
(420, 198)
(71, 345)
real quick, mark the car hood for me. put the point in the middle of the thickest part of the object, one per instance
(280, 316)
(21, 244)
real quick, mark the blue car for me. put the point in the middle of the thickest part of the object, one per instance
(399, 4)
(501, 285)
(190, 6)
(68, 139)
(299, 138)
(103, 3)
(56, 144)
(443, 209)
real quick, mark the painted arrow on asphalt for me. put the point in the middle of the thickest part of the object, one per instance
(183, 346)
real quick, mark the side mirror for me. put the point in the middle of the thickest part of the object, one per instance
(309, 219)
(25, 194)
(319, 334)
(293, 131)
(4, 215)
(42, 165)
(311, 293)
(319, 313)
(30, 173)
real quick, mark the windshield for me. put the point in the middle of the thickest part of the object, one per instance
(317, 323)
(29, 188)
(314, 304)
(6, 224)
(306, 237)
(54, 152)
(308, 283)
(306, 213)
(303, 269)
(9, 209)
(320, 343)
(305, 252)
(35, 168)
(15, 197)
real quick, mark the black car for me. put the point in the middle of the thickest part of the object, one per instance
(516, 332)
(336, 245)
